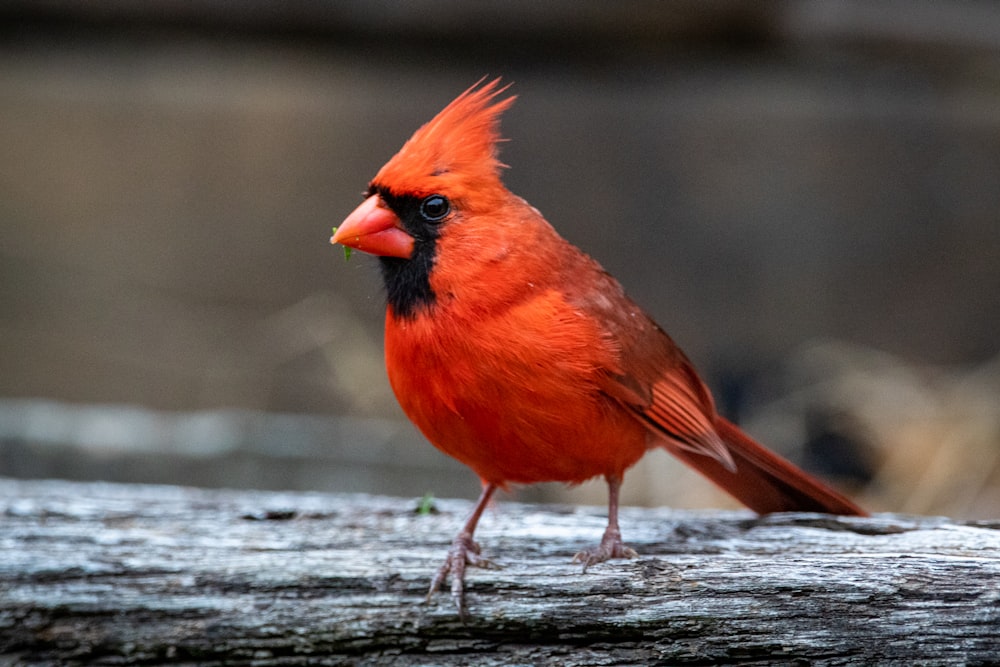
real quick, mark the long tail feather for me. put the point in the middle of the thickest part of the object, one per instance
(764, 481)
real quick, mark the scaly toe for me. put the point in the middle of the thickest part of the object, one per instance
(462, 553)
(606, 550)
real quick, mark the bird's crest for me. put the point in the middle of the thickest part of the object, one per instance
(456, 151)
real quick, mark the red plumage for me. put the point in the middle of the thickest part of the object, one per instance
(517, 354)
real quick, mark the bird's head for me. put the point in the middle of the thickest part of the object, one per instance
(447, 174)
(448, 168)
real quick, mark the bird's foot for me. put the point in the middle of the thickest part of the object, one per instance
(611, 546)
(463, 552)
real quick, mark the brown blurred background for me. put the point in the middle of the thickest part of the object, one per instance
(806, 194)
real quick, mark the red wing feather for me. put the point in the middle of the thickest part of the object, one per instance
(677, 407)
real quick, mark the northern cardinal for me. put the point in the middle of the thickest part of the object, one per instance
(517, 354)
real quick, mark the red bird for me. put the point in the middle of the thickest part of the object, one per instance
(518, 355)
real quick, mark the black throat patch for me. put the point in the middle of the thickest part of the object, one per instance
(407, 281)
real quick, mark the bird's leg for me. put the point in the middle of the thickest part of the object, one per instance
(611, 545)
(463, 551)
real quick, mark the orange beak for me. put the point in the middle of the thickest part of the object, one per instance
(375, 229)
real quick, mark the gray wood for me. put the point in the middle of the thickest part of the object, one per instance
(116, 574)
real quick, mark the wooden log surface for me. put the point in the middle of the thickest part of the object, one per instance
(107, 574)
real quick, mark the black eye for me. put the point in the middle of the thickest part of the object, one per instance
(434, 208)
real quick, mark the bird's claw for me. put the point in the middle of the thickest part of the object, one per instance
(463, 552)
(611, 546)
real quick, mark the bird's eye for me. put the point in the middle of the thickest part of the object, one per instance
(434, 208)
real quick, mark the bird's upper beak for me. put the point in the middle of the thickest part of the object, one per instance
(375, 229)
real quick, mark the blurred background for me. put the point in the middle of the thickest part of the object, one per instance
(805, 194)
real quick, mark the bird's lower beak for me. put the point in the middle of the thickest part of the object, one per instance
(375, 229)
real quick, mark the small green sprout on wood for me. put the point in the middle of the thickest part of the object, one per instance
(425, 506)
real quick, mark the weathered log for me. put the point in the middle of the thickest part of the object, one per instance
(115, 574)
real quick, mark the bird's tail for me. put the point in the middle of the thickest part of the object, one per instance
(764, 481)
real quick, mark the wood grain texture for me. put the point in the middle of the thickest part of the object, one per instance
(115, 574)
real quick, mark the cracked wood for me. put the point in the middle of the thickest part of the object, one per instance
(117, 574)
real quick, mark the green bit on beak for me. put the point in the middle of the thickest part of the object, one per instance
(347, 249)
